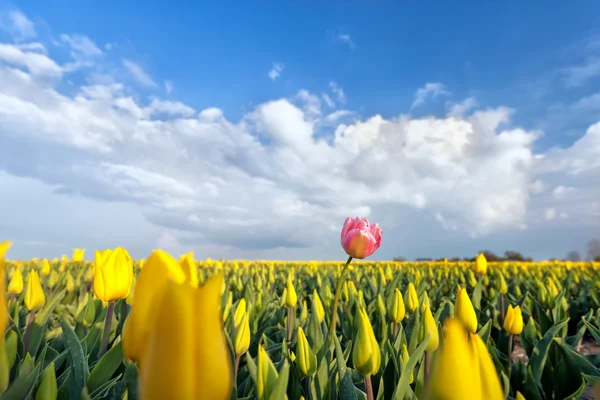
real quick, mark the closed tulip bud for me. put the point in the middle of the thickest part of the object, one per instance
(187, 355)
(113, 276)
(426, 301)
(48, 388)
(489, 381)
(190, 268)
(228, 304)
(160, 268)
(53, 279)
(513, 322)
(345, 293)
(70, 283)
(464, 311)
(411, 300)
(304, 312)
(359, 238)
(242, 335)
(521, 397)
(366, 355)
(480, 264)
(290, 296)
(471, 278)
(240, 311)
(396, 309)
(502, 286)
(318, 306)
(404, 357)
(15, 286)
(78, 255)
(45, 268)
(306, 360)
(429, 327)
(34, 294)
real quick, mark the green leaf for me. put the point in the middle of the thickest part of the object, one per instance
(593, 330)
(484, 332)
(22, 387)
(131, 381)
(540, 352)
(105, 368)
(476, 298)
(39, 323)
(410, 366)
(78, 362)
(280, 387)
(347, 389)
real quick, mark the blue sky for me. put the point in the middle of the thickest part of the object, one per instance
(250, 129)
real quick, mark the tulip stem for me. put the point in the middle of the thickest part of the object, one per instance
(106, 332)
(336, 299)
(28, 330)
(237, 364)
(290, 323)
(395, 330)
(307, 387)
(369, 387)
(426, 372)
(502, 306)
(510, 349)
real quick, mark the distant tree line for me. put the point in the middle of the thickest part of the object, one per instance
(593, 254)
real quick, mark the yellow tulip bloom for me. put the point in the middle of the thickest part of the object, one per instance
(488, 377)
(190, 268)
(78, 255)
(306, 359)
(239, 313)
(481, 264)
(291, 298)
(366, 355)
(113, 276)
(242, 335)
(396, 309)
(45, 270)
(15, 286)
(411, 300)
(513, 322)
(34, 294)
(318, 306)
(464, 310)
(429, 326)
(187, 355)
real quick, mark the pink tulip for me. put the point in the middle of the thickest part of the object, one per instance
(360, 239)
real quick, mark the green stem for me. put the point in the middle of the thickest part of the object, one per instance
(28, 330)
(336, 299)
(369, 387)
(426, 361)
(290, 323)
(106, 332)
(510, 348)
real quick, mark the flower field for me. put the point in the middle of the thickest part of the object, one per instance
(177, 328)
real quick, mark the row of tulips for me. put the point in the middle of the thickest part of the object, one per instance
(169, 328)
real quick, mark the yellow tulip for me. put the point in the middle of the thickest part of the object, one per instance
(480, 264)
(160, 268)
(318, 306)
(396, 309)
(366, 355)
(464, 310)
(4, 367)
(45, 270)
(187, 355)
(411, 299)
(70, 283)
(488, 377)
(428, 326)
(15, 286)
(78, 255)
(34, 294)
(53, 279)
(513, 322)
(266, 374)
(404, 357)
(242, 335)
(239, 313)
(290, 297)
(521, 397)
(190, 268)
(502, 286)
(305, 359)
(113, 276)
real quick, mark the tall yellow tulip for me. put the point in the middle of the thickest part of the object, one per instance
(15, 286)
(113, 275)
(481, 264)
(34, 294)
(464, 310)
(45, 270)
(78, 255)
(411, 300)
(396, 309)
(366, 355)
(428, 326)
(4, 367)
(513, 323)
(187, 355)
(318, 306)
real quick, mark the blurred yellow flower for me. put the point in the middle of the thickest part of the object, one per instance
(15, 286)
(513, 321)
(113, 276)
(34, 294)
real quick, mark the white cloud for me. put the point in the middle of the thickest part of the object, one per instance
(346, 39)
(330, 103)
(338, 92)
(275, 72)
(577, 75)
(459, 109)
(169, 87)
(549, 214)
(81, 45)
(18, 25)
(138, 73)
(37, 64)
(337, 115)
(431, 90)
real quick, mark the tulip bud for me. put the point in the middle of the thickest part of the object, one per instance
(305, 359)
(53, 279)
(290, 296)
(242, 335)
(502, 286)
(189, 267)
(359, 238)
(471, 278)
(70, 283)
(45, 268)
(521, 397)
(404, 357)
(15, 286)
(227, 307)
(48, 388)
(34, 295)
(239, 313)
(318, 306)
(513, 322)
(266, 375)
(429, 326)
(411, 299)
(464, 310)
(113, 275)
(480, 264)
(396, 309)
(426, 301)
(78, 255)
(490, 383)
(304, 312)
(366, 355)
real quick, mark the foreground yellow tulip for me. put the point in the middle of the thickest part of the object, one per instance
(411, 300)
(464, 310)
(4, 367)
(189, 268)
(513, 322)
(463, 369)
(15, 286)
(187, 355)
(366, 355)
(34, 295)
(480, 264)
(160, 268)
(113, 276)
(306, 358)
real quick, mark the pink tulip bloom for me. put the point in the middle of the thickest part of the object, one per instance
(360, 239)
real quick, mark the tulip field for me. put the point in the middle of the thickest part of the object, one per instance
(179, 328)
